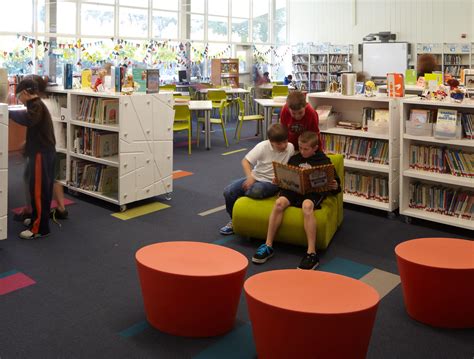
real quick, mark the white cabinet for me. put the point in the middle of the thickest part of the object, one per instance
(425, 191)
(370, 181)
(144, 135)
(3, 170)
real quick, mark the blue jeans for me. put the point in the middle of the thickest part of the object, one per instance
(259, 190)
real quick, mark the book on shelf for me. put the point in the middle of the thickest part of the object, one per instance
(410, 77)
(419, 116)
(86, 78)
(152, 81)
(381, 115)
(67, 76)
(368, 186)
(395, 85)
(304, 180)
(446, 123)
(139, 77)
(323, 112)
(467, 123)
(349, 125)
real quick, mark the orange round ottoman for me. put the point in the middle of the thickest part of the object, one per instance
(190, 288)
(437, 276)
(309, 314)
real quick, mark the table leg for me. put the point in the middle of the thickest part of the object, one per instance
(207, 129)
(267, 117)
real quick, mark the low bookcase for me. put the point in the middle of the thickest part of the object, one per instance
(362, 172)
(136, 164)
(426, 190)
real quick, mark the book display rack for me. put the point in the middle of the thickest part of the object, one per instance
(371, 156)
(437, 179)
(117, 148)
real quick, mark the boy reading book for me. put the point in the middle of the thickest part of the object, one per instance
(258, 169)
(309, 156)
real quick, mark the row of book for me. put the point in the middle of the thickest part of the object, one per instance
(98, 110)
(442, 200)
(54, 104)
(442, 160)
(318, 77)
(337, 59)
(452, 59)
(336, 68)
(319, 68)
(318, 86)
(446, 121)
(318, 59)
(356, 148)
(300, 68)
(366, 186)
(94, 177)
(300, 58)
(233, 67)
(97, 143)
(301, 76)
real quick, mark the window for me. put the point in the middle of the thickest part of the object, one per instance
(217, 28)
(240, 30)
(16, 16)
(133, 22)
(136, 3)
(197, 27)
(217, 7)
(165, 24)
(41, 16)
(240, 8)
(66, 24)
(19, 57)
(166, 4)
(260, 21)
(197, 6)
(97, 20)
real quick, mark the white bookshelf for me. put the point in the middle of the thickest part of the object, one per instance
(409, 175)
(456, 58)
(3, 170)
(145, 144)
(350, 108)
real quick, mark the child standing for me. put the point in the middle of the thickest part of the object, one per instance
(298, 116)
(258, 169)
(309, 156)
(41, 154)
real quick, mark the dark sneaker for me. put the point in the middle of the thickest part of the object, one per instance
(263, 254)
(27, 234)
(227, 229)
(58, 214)
(309, 261)
(20, 217)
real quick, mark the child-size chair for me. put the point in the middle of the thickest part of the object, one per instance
(250, 216)
(214, 120)
(182, 121)
(168, 87)
(279, 90)
(243, 117)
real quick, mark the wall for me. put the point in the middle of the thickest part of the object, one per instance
(348, 21)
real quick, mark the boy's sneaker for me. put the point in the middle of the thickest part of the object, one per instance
(27, 234)
(27, 222)
(309, 261)
(227, 229)
(263, 254)
(20, 217)
(56, 213)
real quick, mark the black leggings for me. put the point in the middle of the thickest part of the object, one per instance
(41, 173)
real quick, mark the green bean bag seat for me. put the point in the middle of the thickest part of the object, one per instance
(250, 216)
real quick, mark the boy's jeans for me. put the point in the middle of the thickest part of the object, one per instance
(259, 190)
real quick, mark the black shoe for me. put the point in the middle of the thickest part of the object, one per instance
(309, 261)
(58, 214)
(20, 217)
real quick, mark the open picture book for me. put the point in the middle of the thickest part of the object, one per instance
(304, 180)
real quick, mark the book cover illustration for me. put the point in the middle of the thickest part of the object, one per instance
(86, 78)
(152, 81)
(139, 77)
(304, 180)
(419, 116)
(323, 112)
(446, 123)
(67, 81)
(395, 85)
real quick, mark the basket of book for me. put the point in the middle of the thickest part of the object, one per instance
(420, 122)
(304, 180)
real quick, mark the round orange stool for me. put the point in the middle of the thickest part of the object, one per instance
(191, 288)
(437, 276)
(309, 314)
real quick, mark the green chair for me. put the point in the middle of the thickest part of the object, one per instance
(169, 87)
(243, 117)
(250, 216)
(214, 120)
(279, 90)
(217, 96)
(182, 122)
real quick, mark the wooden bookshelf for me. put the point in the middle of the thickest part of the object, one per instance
(225, 72)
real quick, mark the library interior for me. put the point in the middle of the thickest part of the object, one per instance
(236, 179)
